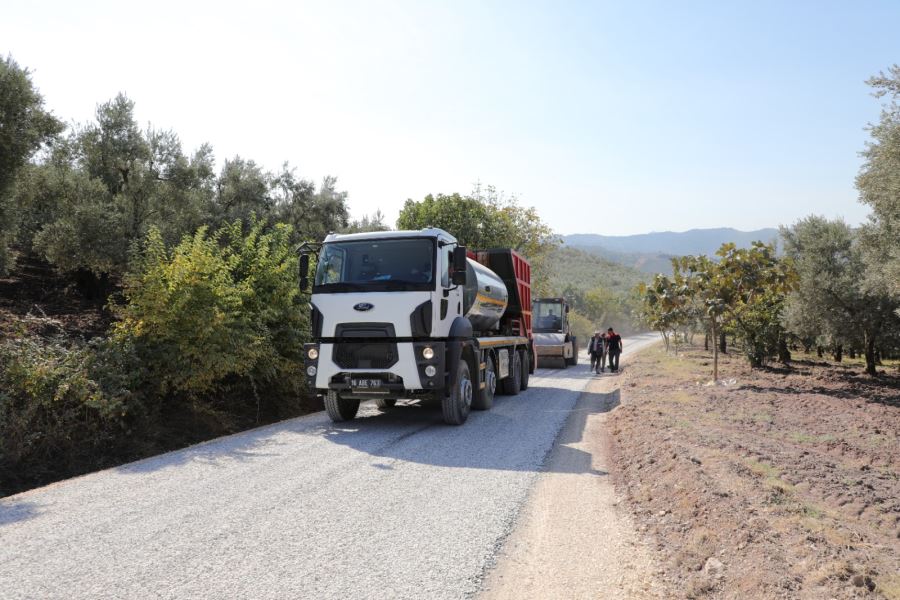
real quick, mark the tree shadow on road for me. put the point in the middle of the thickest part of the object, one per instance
(244, 446)
(13, 511)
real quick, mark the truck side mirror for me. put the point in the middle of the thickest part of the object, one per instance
(459, 266)
(304, 272)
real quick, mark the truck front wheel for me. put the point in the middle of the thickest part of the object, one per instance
(457, 404)
(340, 409)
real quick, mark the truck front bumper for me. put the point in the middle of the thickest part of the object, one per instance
(414, 371)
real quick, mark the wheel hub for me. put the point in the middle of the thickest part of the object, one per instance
(465, 391)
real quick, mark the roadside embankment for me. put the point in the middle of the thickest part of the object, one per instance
(780, 483)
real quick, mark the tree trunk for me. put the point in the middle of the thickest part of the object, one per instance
(716, 354)
(852, 352)
(820, 351)
(723, 346)
(870, 355)
(838, 353)
(784, 354)
(706, 341)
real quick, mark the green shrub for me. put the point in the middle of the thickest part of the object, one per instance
(220, 312)
(63, 409)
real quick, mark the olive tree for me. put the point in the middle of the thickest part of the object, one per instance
(25, 127)
(832, 282)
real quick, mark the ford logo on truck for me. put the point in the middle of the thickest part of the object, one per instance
(363, 306)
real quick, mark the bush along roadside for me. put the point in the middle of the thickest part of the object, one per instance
(208, 341)
(65, 408)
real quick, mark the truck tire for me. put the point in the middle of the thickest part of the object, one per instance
(526, 370)
(457, 404)
(484, 399)
(340, 409)
(513, 384)
(384, 403)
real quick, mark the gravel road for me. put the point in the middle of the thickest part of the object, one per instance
(391, 505)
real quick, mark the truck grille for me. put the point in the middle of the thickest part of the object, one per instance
(359, 347)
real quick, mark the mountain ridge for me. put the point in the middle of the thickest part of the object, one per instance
(651, 252)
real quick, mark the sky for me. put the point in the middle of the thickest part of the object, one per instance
(608, 117)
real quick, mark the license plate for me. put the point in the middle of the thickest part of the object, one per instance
(365, 384)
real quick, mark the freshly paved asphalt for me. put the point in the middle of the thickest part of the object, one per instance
(391, 505)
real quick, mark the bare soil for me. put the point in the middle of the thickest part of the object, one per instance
(36, 300)
(782, 483)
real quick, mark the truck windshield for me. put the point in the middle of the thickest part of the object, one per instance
(548, 317)
(376, 265)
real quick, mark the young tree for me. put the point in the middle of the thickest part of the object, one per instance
(761, 282)
(663, 303)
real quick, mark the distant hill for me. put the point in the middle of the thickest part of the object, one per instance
(650, 252)
(581, 270)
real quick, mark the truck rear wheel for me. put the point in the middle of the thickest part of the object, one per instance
(340, 409)
(384, 403)
(457, 404)
(526, 370)
(484, 399)
(513, 384)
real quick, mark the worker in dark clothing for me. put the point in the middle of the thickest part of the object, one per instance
(614, 349)
(594, 351)
(602, 349)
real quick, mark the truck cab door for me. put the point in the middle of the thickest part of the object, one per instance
(448, 300)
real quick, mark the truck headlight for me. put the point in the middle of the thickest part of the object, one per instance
(427, 352)
(430, 371)
(313, 353)
(311, 370)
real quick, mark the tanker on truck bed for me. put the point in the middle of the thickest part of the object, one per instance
(553, 339)
(414, 315)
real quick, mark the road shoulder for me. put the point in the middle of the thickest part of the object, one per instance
(572, 539)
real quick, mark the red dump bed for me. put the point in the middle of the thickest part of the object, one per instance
(515, 271)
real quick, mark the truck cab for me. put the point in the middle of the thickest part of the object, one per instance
(412, 314)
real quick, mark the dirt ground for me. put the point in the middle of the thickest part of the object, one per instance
(35, 300)
(782, 483)
(574, 539)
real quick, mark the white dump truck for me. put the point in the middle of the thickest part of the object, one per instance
(414, 315)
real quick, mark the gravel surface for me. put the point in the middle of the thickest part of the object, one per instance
(572, 539)
(391, 505)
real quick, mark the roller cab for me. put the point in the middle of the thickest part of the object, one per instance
(553, 339)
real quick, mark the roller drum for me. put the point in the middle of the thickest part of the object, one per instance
(485, 297)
